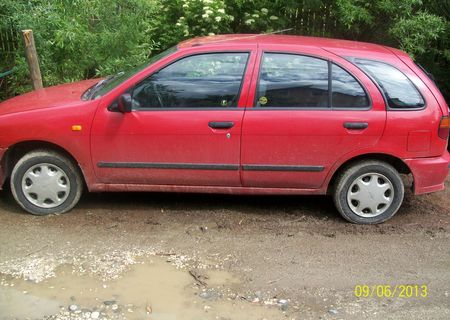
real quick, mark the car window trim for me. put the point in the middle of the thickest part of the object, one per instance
(380, 89)
(249, 52)
(330, 93)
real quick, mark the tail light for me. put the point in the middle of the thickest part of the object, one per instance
(444, 127)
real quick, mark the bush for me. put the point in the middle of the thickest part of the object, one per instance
(79, 39)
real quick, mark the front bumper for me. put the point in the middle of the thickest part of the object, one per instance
(2, 174)
(429, 173)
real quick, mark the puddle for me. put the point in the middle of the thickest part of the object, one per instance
(152, 289)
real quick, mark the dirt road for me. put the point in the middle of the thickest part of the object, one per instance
(177, 256)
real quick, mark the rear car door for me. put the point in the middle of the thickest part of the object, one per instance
(185, 125)
(310, 108)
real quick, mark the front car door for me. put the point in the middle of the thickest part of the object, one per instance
(185, 124)
(309, 110)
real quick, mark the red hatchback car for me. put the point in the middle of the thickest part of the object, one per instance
(241, 114)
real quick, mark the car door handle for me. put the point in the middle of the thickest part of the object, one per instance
(221, 124)
(355, 125)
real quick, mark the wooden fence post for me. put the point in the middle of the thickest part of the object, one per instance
(32, 59)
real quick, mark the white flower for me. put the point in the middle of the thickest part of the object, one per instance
(249, 21)
(255, 15)
(185, 5)
(209, 12)
(178, 24)
(205, 16)
(186, 32)
(273, 18)
(264, 11)
(211, 34)
(221, 10)
(218, 19)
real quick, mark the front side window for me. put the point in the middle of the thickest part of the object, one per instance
(289, 80)
(210, 80)
(399, 91)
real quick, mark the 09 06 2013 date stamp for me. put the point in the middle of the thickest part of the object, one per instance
(404, 291)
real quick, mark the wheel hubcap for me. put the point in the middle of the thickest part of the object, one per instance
(45, 185)
(370, 195)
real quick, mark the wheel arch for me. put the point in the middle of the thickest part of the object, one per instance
(18, 150)
(394, 161)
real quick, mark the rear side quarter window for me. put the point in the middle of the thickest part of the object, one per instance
(397, 88)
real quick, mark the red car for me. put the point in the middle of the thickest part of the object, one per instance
(241, 114)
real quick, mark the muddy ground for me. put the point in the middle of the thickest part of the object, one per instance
(191, 256)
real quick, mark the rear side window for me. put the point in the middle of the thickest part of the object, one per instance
(288, 80)
(297, 81)
(397, 88)
(347, 92)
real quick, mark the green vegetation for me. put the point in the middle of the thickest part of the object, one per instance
(79, 39)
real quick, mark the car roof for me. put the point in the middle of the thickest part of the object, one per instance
(273, 39)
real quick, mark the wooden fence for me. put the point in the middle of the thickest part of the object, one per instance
(9, 45)
(312, 20)
(9, 40)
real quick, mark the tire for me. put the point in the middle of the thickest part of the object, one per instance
(45, 182)
(368, 192)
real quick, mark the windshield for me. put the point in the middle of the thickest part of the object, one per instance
(104, 86)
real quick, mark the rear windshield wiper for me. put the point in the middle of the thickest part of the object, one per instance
(429, 74)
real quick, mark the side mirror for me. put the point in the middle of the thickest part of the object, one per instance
(124, 103)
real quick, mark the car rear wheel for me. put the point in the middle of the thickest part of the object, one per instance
(369, 192)
(45, 182)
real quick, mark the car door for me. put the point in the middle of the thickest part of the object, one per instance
(309, 111)
(185, 124)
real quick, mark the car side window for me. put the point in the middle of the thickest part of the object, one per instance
(399, 91)
(290, 80)
(347, 91)
(211, 80)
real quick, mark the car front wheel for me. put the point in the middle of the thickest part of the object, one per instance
(369, 192)
(45, 182)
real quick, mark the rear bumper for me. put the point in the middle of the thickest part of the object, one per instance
(429, 173)
(2, 175)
